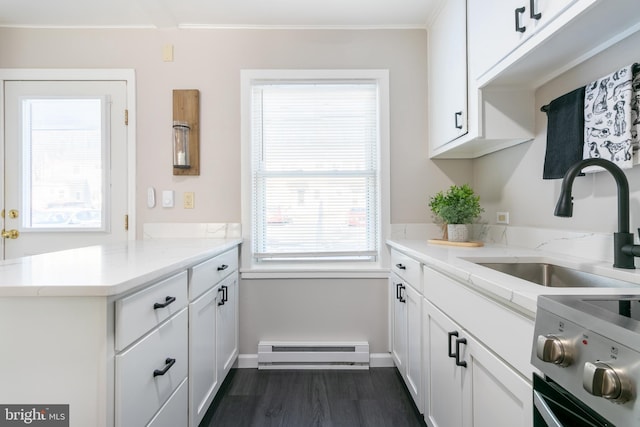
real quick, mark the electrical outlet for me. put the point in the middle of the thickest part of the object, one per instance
(167, 53)
(189, 200)
(502, 218)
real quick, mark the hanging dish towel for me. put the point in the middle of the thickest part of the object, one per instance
(611, 119)
(565, 133)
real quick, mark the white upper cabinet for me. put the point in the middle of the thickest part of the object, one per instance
(448, 73)
(513, 47)
(564, 34)
(498, 27)
(465, 122)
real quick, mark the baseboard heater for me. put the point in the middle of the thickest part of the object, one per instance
(313, 355)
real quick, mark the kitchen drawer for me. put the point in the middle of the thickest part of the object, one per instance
(174, 412)
(139, 313)
(505, 332)
(407, 268)
(205, 275)
(140, 391)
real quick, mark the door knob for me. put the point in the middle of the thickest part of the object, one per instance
(10, 234)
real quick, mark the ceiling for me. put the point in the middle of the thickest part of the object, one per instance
(216, 13)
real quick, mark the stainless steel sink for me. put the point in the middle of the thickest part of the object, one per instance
(556, 276)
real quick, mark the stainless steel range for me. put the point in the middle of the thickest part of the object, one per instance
(588, 348)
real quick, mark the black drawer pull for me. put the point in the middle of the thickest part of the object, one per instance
(451, 334)
(223, 267)
(401, 267)
(458, 115)
(167, 301)
(458, 361)
(169, 363)
(532, 10)
(519, 12)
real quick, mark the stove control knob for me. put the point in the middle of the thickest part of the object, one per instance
(602, 380)
(552, 349)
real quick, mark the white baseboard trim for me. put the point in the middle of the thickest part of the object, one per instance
(376, 360)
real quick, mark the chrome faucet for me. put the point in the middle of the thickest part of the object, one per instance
(624, 250)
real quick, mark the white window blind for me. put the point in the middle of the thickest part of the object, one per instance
(315, 170)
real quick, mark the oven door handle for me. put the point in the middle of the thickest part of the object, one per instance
(545, 411)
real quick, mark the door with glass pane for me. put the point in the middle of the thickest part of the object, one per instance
(65, 165)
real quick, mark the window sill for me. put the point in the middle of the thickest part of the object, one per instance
(317, 270)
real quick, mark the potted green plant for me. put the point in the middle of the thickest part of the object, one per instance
(456, 207)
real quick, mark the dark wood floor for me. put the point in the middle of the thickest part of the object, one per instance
(250, 397)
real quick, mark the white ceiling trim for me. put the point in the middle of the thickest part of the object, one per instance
(300, 27)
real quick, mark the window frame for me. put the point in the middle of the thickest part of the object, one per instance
(248, 78)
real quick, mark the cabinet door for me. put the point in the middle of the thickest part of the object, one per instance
(547, 10)
(227, 325)
(494, 395)
(492, 31)
(399, 317)
(414, 345)
(448, 74)
(203, 374)
(443, 378)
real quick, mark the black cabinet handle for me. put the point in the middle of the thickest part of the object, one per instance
(221, 289)
(167, 301)
(401, 267)
(451, 334)
(223, 267)
(458, 115)
(458, 361)
(398, 291)
(519, 12)
(225, 295)
(169, 363)
(532, 10)
(401, 288)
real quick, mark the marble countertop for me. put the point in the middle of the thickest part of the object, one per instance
(104, 270)
(459, 263)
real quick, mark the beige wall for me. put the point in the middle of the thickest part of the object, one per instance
(211, 60)
(511, 180)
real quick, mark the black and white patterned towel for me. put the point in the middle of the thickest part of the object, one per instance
(612, 117)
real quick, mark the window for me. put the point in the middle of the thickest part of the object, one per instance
(63, 164)
(315, 173)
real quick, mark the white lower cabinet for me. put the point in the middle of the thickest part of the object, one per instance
(407, 335)
(203, 372)
(213, 330)
(227, 325)
(399, 323)
(466, 384)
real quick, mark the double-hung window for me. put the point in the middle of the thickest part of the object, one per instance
(315, 169)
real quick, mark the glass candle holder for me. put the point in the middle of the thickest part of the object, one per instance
(181, 145)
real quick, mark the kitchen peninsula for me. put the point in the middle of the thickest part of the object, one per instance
(95, 327)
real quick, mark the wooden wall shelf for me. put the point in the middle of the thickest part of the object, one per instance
(186, 108)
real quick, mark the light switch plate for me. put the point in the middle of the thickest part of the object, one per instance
(167, 199)
(502, 218)
(188, 200)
